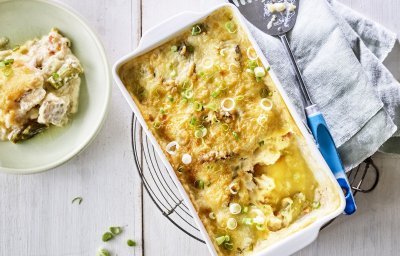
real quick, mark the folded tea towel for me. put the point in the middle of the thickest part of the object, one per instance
(340, 53)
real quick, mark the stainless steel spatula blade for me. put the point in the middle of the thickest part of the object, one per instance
(273, 23)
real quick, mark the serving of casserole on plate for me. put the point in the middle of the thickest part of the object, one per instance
(226, 131)
(54, 86)
(39, 86)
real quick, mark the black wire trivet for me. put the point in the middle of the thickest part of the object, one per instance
(165, 195)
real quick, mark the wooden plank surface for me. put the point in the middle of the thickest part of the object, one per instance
(36, 214)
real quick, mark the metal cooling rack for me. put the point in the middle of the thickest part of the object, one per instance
(165, 195)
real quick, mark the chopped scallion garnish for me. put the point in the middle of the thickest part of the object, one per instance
(196, 30)
(211, 106)
(174, 48)
(235, 135)
(116, 230)
(199, 184)
(215, 93)
(78, 199)
(261, 143)
(188, 94)
(228, 246)
(198, 106)
(170, 98)
(193, 121)
(231, 27)
(103, 252)
(259, 72)
(200, 133)
(247, 221)
(107, 236)
(131, 243)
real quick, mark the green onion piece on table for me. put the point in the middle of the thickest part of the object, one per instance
(107, 236)
(77, 199)
(131, 243)
(116, 230)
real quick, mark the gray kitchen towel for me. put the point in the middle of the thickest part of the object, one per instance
(340, 54)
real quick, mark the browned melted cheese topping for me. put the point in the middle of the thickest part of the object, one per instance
(237, 154)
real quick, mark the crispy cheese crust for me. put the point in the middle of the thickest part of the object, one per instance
(205, 93)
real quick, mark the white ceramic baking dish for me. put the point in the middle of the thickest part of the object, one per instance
(302, 233)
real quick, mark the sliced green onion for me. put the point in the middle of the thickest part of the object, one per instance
(172, 147)
(231, 224)
(193, 121)
(7, 71)
(170, 98)
(196, 30)
(173, 73)
(188, 94)
(103, 252)
(212, 215)
(200, 133)
(16, 48)
(215, 93)
(228, 104)
(107, 236)
(235, 208)
(78, 199)
(220, 240)
(268, 68)
(261, 143)
(199, 184)
(208, 63)
(186, 159)
(157, 125)
(231, 27)
(239, 97)
(198, 106)
(252, 65)
(228, 246)
(247, 221)
(187, 84)
(316, 205)
(259, 72)
(225, 127)
(116, 230)
(234, 68)
(131, 243)
(235, 135)
(245, 209)
(211, 106)
(251, 54)
(174, 48)
(262, 119)
(56, 76)
(266, 104)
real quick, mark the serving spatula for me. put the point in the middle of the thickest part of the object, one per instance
(279, 23)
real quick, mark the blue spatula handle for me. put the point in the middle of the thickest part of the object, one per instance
(326, 145)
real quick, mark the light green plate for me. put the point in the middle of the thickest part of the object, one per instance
(26, 19)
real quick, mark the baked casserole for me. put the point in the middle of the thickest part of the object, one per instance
(217, 115)
(39, 86)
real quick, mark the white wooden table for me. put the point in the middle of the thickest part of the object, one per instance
(36, 214)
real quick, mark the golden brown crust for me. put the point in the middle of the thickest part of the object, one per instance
(248, 154)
